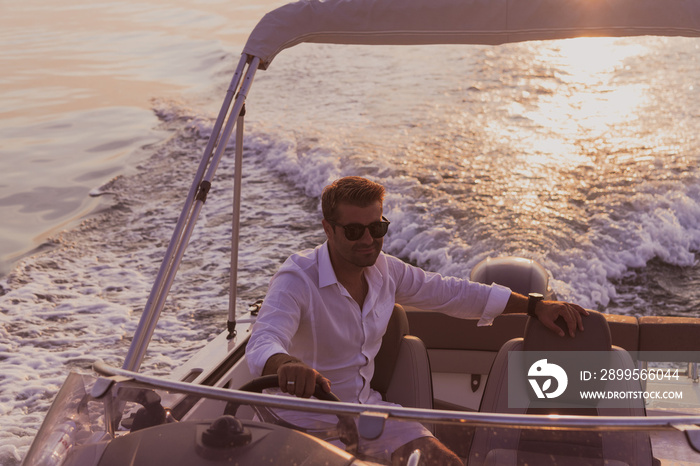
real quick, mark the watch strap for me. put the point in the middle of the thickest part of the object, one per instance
(532, 300)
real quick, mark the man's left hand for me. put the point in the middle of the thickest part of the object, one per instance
(548, 311)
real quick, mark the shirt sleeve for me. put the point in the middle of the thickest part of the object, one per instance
(496, 303)
(450, 295)
(277, 322)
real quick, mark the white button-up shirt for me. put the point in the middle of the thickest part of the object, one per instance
(308, 314)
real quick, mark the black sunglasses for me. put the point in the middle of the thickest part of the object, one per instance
(354, 231)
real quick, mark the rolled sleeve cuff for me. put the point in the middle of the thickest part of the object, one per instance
(258, 358)
(498, 298)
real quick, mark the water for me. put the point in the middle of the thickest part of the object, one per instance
(581, 154)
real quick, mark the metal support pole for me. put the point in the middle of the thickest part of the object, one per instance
(235, 227)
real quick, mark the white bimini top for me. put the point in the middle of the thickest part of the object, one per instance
(416, 22)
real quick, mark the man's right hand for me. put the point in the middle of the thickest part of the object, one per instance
(295, 377)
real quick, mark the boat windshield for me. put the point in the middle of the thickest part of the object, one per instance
(133, 420)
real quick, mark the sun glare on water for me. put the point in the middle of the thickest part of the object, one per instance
(585, 101)
(565, 104)
(592, 56)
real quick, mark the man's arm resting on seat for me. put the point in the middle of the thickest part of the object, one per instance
(302, 377)
(548, 311)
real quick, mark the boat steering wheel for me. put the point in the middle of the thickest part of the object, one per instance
(345, 430)
(259, 384)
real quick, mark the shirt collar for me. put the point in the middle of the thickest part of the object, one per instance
(326, 274)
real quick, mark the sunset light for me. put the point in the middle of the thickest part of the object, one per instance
(584, 99)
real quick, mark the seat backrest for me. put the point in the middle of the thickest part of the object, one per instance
(631, 448)
(385, 361)
(595, 337)
(411, 384)
(401, 368)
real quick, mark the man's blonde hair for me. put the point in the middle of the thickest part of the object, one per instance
(353, 190)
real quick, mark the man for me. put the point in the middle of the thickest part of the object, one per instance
(327, 309)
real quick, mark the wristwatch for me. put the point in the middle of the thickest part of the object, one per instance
(532, 300)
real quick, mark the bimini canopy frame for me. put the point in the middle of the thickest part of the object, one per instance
(230, 116)
(391, 22)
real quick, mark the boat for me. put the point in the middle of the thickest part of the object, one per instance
(494, 395)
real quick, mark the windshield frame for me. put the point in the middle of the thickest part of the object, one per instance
(531, 421)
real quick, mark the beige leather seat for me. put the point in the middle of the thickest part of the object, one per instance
(503, 446)
(402, 369)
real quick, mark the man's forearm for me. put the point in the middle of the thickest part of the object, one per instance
(517, 304)
(547, 313)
